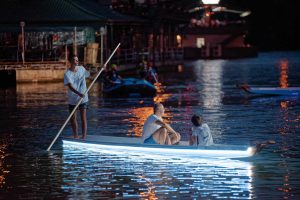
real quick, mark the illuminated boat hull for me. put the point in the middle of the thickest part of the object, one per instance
(129, 145)
(291, 91)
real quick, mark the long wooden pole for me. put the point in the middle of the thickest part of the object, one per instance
(80, 100)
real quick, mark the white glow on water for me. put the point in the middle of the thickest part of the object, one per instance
(148, 173)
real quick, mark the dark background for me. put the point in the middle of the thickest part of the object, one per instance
(273, 24)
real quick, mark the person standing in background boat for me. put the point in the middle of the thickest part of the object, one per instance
(201, 135)
(143, 70)
(151, 73)
(155, 131)
(75, 80)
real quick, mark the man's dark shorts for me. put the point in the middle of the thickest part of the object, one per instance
(81, 106)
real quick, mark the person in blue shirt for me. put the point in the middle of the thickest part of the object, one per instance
(75, 80)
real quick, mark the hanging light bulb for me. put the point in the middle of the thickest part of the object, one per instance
(210, 1)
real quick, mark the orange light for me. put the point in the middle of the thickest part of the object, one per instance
(283, 80)
(284, 104)
(140, 116)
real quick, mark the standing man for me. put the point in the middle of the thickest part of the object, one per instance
(74, 79)
(156, 131)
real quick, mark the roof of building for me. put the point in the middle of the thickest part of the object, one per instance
(76, 12)
(106, 12)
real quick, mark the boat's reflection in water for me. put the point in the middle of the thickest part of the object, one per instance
(139, 176)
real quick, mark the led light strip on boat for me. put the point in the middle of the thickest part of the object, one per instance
(163, 150)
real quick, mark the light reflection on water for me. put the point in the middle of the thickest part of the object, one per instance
(134, 176)
(32, 114)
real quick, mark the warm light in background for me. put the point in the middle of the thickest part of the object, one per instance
(283, 80)
(210, 1)
(179, 40)
(200, 42)
(180, 68)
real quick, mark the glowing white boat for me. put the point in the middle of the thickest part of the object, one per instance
(133, 145)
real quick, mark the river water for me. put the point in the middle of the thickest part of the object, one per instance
(32, 114)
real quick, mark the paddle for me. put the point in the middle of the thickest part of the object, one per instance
(152, 73)
(81, 98)
(262, 145)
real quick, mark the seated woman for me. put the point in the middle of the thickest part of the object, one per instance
(201, 135)
(111, 76)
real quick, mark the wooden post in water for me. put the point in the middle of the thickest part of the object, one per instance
(22, 24)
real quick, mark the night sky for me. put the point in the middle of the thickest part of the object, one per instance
(273, 23)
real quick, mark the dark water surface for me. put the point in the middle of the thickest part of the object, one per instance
(32, 114)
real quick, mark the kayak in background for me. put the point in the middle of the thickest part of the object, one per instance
(290, 91)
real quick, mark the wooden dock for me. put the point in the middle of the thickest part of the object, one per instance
(33, 71)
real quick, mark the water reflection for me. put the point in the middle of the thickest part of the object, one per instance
(289, 123)
(47, 94)
(3, 170)
(139, 116)
(40, 94)
(161, 95)
(283, 80)
(210, 82)
(31, 114)
(146, 177)
(210, 73)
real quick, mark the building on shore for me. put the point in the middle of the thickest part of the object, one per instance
(41, 34)
(42, 29)
(202, 29)
(216, 32)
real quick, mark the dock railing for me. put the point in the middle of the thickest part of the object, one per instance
(11, 59)
(127, 56)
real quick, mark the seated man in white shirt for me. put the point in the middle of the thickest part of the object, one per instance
(155, 131)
